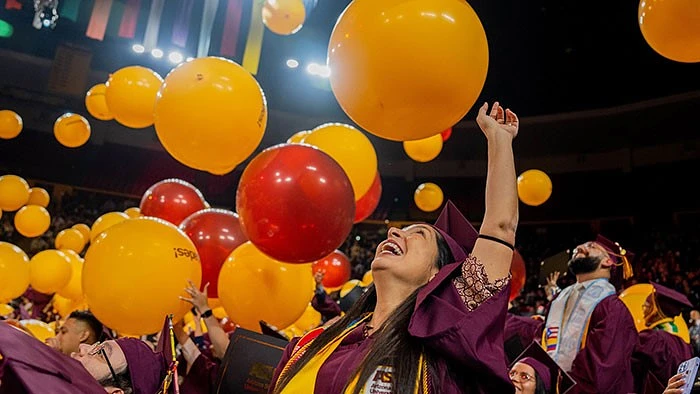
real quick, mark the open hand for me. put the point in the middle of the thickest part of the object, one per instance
(198, 298)
(497, 120)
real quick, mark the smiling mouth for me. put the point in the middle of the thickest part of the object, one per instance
(391, 247)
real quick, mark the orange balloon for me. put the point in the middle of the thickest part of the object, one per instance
(84, 229)
(14, 271)
(133, 212)
(71, 130)
(428, 197)
(70, 239)
(424, 150)
(14, 192)
(39, 196)
(389, 91)
(32, 220)
(74, 289)
(283, 17)
(104, 222)
(49, 271)
(96, 102)
(534, 187)
(10, 124)
(672, 28)
(131, 95)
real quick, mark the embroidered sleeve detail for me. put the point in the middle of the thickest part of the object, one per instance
(474, 286)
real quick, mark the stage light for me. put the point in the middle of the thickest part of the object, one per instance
(292, 63)
(157, 53)
(175, 57)
(138, 48)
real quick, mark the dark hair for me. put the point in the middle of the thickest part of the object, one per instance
(539, 385)
(123, 382)
(392, 346)
(88, 318)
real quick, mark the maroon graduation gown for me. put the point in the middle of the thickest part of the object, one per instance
(524, 330)
(201, 377)
(658, 353)
(325, 305)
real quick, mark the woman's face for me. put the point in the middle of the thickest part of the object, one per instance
(524, 378)
(408, 255)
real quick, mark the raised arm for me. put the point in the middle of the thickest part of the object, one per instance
(219, 338)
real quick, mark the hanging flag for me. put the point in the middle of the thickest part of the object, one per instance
(127, 27)
(208, 16)
(13, 5)
(232, 26)
(309, 6)
(69, 10)
(98, 20)
(150, 38)
(253, 46)
(181, 26)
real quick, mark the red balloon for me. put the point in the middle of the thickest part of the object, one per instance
(446, 134)
(336, 267)
(517, 270)
(368, 203)
(215, 233)
(295, 202)
(227, 325)
(172, 200)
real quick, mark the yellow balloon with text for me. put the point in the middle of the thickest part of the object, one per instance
(39, 196)
(72, 130)
(14, 271)
(14, 192)
(96, 102)
(50, 271)
(32, 220)
(424, 150)
(428, 197)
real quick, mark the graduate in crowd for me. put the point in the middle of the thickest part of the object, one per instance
(81, 327)
(534, 372)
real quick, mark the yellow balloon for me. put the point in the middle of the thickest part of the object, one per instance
(348, 286)
(424, 150)
(39, 196)
(135, 272)
(672, 28)
(219, 312)
(634, 296)
(14, 192)
(133, 212)
(388, 90)
(298, 137)
(6, 310)
(211, 114)
(534, 187)
(64, 306)
(309, 320)
(191, 326)
(74, 289)
(40, 330)
(351, 149)
(96, 102)
(84, 229)
(106, 221)
(284, 17)
(214, 303)
(49, 271)
(32, 220)
(131, 94)
(254, 287)
(428, 197)
(10, 124)
(14, 271)
(292, 332)
(367, 278)
(71, 130)
(70, 239)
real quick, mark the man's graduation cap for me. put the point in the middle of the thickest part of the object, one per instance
(620, 256)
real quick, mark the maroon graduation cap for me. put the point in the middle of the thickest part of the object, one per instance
(620, 256)
(555, 379)
(457, 231)
(669, 301)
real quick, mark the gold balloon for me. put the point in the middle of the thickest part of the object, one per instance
(74, 289)
(70, 239)
(40, 330)
(49, 271)
(10, 124)
(106, 221)
(389, 90)
(428, 197)
(634, 296)
(298, 137)
(14, 192)
(39, 196)
(6, 310)
(131, 94)
(135, 272)
(65, 306)
(367, 278)
(672, 28)
(351, 149)
(14, 271)
(309, 320)
(534, 187)
(32, 220)
(96, 102)
(71, 130)
(284, 17)
(211, 114)
(254, 287)
(133, 212)
(84, 229)
(424, 150)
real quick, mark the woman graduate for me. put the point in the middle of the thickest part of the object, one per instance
(433, 320)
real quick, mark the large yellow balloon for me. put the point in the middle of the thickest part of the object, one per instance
(10, 124)
(309, 320)
(49, 271)
(387, 89)
(254, 287)
(424, 150)
(14, 192)
(71, 130)
(65, 306)
(428, 197)
(367, 278)
(534, 187)
(131, 94)
(39, 196)
(32, 220)
(135, 272)
(634, 296)
(96, 102)
(84, 229)
(133, 212)
(74, 289)
(351, 149)
(106, 221)
(70, 239)
(284, 17)
(672, 28)
(14, 271)
(40, 330)
(210, 114)
(298, 137)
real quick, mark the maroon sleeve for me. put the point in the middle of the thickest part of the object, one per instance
(522, 329)
(659, 353)
(603, 365)
(325, 306)
(283, 361)
(201, 378)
